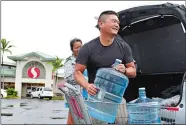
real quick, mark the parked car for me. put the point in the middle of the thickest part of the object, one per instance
(3, 93)
(156, 35)
(29, 90)
(42, 92)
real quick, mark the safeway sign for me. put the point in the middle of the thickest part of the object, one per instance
(33, 72)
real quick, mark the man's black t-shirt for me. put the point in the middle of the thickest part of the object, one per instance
(94, 55)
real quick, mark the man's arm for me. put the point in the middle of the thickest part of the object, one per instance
(128, 68)
(81, 63)
(78, 75)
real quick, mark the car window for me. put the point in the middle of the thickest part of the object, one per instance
(33, 89)
(47, 89)
(40, 89)
(37, 89)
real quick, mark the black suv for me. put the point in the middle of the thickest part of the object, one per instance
(156, 35)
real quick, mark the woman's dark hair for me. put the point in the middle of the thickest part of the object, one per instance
(73, 41)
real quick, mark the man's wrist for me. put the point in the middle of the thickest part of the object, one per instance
(86, 85)
(125, 71)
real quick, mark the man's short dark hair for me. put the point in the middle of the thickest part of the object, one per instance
(73, 41)
(108, 12)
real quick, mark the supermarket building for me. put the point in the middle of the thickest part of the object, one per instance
(28, 72)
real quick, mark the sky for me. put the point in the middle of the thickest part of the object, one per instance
(48, 26)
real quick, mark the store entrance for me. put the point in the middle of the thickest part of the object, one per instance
(27, 88)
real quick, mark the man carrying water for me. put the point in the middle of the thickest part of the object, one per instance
(102, 52)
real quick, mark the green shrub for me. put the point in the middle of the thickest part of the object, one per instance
(58, 98)
(15, 93)
(11, 92)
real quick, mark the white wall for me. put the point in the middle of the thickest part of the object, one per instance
(18, 85)
(9, 79)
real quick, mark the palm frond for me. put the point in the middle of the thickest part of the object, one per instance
(10, 46)
(5, 46)
(57, 63)
(7, 50)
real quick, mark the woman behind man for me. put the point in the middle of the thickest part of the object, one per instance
(75, 46)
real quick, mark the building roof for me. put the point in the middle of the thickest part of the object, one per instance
(23, 57)
(5, 63)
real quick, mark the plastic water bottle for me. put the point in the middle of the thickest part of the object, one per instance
(111, 86)
(142, 96)
(144, 110)
(110, 81)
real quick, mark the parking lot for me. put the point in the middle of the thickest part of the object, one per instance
(33, 111)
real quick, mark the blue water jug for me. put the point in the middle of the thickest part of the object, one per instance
(142, 96)
(111, 86)
(144, 110)
(84, 91)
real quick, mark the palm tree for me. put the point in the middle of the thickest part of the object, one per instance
(5, 47)
(57, 63)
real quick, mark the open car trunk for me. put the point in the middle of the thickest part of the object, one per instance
(156, 35)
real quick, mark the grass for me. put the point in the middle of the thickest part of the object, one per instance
(11, 97)
(56, 98)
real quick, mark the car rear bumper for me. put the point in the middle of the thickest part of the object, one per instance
(4, 95)
(46, 95)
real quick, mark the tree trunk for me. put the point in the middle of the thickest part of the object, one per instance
(3, 73)
(56, 79)
(55, 82)
(53, 78)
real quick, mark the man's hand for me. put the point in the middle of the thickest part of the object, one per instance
(121, 68)
(131, 69)
(91, 89)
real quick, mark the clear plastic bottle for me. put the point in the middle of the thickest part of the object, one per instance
(144, 110)
(110, 83)
(111, 86)
(142, 96)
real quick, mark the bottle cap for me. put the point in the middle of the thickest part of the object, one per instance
(118, 60)
(143, 88)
